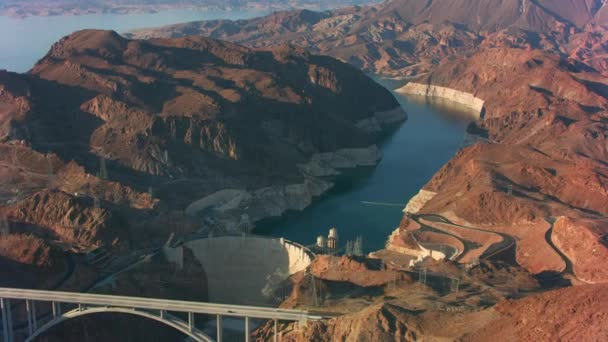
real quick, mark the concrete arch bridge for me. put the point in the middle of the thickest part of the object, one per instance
(161, 310)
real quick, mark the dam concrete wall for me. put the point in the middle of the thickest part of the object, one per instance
(432, 91)
(245, 269)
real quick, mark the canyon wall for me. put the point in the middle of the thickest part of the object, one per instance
(237, 210)
(454, 95)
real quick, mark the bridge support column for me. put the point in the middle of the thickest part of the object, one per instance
(34, 319)
(276, 331)
(247, 331)
(56, 309)
(7, 324)
(220, 328)
(190, 321)
(30, 319)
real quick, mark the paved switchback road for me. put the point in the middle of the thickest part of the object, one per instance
(508, 244)
(505, 249)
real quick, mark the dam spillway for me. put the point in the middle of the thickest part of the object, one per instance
(244, 269)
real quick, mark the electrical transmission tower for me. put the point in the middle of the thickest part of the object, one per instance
(393, 283)
(316, 294)
(349, 248)
(103, 170)
(358, 246)
(14, 156)
(50, 169)
(422, 275)
(455, 285)
(4, 228)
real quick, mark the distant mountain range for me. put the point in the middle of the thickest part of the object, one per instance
(409, 37)
(19, 8)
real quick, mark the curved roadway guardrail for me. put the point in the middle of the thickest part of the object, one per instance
(157, 309)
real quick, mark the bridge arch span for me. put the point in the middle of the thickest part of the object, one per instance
(166, 318)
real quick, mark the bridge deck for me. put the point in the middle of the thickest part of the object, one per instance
(158, 304)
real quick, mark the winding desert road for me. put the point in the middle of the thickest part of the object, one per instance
(507, 242)
(507, 245)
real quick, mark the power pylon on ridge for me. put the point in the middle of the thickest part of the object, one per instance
(422, 275)
(103, 170)
(455, 285)
(358, 246)
(349, 248)
(4, 227)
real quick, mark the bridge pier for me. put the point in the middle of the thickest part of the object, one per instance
(276, 330)
(247, 330)
(220, 328)
(7, 325)
(30, 318)
(56, 309)
(190, 321)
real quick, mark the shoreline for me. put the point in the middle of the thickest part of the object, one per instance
(242, 210)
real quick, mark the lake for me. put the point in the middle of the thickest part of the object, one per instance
(369, 202)
(25, 41)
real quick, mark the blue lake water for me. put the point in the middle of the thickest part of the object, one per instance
(25, 41)
(411, 156)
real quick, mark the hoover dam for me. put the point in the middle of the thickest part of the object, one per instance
(243, 269)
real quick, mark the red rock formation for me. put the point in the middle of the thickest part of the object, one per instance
(352, 270)
(584, 243)
(571, 314)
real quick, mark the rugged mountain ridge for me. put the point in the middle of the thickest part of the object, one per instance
(408, 37)
(107, 136)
